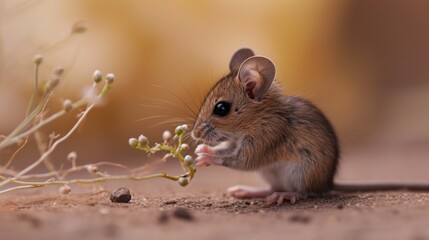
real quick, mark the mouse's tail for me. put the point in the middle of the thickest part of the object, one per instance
(380, 186)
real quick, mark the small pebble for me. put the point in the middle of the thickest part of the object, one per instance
(163, 218)
(170, 202)
(183, 213)
(120, 195)
(300, 219)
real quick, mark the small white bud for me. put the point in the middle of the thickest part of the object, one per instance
(179, 130)
(38, 59)
(58, 71)
(51, 84)
(110, 78)
(133, 142)
(183, 181)
(184, 127)
(143, 141)
(91, 168)
(166, 135)
(65, 189)
(67, 105)
(72, 156)
(189, 160)
(184, 147)
(79, 27)
(97, 76)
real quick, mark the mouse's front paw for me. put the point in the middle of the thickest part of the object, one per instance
(205, 155)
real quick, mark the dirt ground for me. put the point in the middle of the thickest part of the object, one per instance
(163, 210)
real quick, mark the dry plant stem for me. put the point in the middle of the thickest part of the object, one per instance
(14, 139)
(189, 169)
(58, 142)
(16, 153)
(48, 152)
(62, 174)
(11, 139)
(35, 90)
(18, 188)
(43, 146)
(86, 181)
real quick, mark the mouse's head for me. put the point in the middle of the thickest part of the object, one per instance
(235, 102)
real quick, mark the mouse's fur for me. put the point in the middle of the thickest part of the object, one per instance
(286, 138)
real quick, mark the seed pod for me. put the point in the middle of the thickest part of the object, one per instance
(183, 181)
(179, 130)
(72, 156)
(110, 78)
(143, 141)
(65, 189)
(97, 76)
(133, 142)
(184, 147)
(189, 160)
(166, 135)
(38, 59)
(91, 168)
(67, 105)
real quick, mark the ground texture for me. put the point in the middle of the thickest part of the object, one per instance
(160, 209)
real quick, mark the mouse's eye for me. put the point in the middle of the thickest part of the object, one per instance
(222, 109)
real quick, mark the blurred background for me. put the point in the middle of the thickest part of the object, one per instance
(363, 62)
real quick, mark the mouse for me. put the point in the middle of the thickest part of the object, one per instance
(247, 123)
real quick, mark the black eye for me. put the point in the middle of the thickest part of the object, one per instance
(222, 108)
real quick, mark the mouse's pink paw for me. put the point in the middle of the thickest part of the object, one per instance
(279, 197)
(205, 155)
(241, 191)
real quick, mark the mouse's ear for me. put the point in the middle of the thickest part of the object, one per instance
(239, 57)
(257, 74)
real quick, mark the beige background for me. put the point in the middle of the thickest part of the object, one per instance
(364, 63)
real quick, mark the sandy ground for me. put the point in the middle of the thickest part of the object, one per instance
(162, 210)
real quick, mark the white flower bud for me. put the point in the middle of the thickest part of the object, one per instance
(72, 156)
(91, 168)
(133, 142)
(184, 127)
(189, 160)
(67, 105)
(184, 147)
(79, 27)
(143, 141)
(38, 59)
(97, 76)
(178, 130)
(58, 71)
(110, 78)
(183, 181)
(51, 84)
(166, 135)
(65, 189)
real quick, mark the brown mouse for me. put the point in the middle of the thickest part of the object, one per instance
(247, 123)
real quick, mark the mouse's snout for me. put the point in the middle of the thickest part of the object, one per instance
(202, 131)
(195, 134)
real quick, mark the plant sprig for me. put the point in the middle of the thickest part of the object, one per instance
(173, 150)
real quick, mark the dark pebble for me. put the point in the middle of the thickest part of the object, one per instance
(300, 219)
(163, 218)
(183, 213)
(170, 202)
(120, 195)
(35, 222)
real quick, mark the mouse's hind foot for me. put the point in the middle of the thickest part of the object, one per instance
(279, 197)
